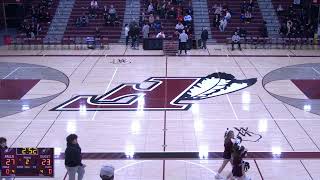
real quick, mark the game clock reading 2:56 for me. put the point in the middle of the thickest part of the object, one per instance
(27, 162)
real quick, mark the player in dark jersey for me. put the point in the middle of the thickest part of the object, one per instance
(239, 166)
(228, 148)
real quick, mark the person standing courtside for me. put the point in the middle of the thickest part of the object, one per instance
(126, 33)
(183, 37)
(204, 38)
(73, 158)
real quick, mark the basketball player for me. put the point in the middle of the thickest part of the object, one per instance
(228, 148)
(239, 166)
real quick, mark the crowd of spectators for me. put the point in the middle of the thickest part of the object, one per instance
(109, 14)
(296, 21)
(40, 13)
(151, 24)
(157, 10)
(247, 8)
(222, 16)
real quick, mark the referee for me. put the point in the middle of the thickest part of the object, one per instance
(183, 37)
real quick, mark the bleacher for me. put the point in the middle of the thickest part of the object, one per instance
(44, 25)
(308, 30)
(235, 7)
(168, 25)
(112, 33)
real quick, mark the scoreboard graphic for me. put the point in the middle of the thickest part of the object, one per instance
(27, 162)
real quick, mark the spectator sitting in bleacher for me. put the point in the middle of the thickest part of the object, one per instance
(248, 16)
(228, 16)
(179, 27)
(150, 9)
(251, 5)
(161, 35)
(142, 19)
(113, 15)
(94, 4)
(145, 30)
(157, 24)
(187, 19)
(180, 16)
(213, 9)
(93, 8)
(244, 6)
(158, 8)
(163, 9)
(151, 20)
(225, 8)
(216, 20)
(172, 14)
(105, 11)
(107, 19)
(112, 12)
(106, 15)
(84, 20)
(218, 10)
(189, 9)
(34, 14)
(223, 24)
(280, 10)
(242, 17)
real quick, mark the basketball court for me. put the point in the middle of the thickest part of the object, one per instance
(156, 117)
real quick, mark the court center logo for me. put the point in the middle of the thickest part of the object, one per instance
(158, 93)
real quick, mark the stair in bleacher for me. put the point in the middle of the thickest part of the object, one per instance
(60, 21)
(201, 19)
(270, 16)
(132, 12)
(235, 7)
(113, 33)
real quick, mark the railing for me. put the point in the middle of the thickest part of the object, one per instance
(284, 43)
(54, 44)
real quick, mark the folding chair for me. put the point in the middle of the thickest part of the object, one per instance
(304, 42)
(105, 41)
